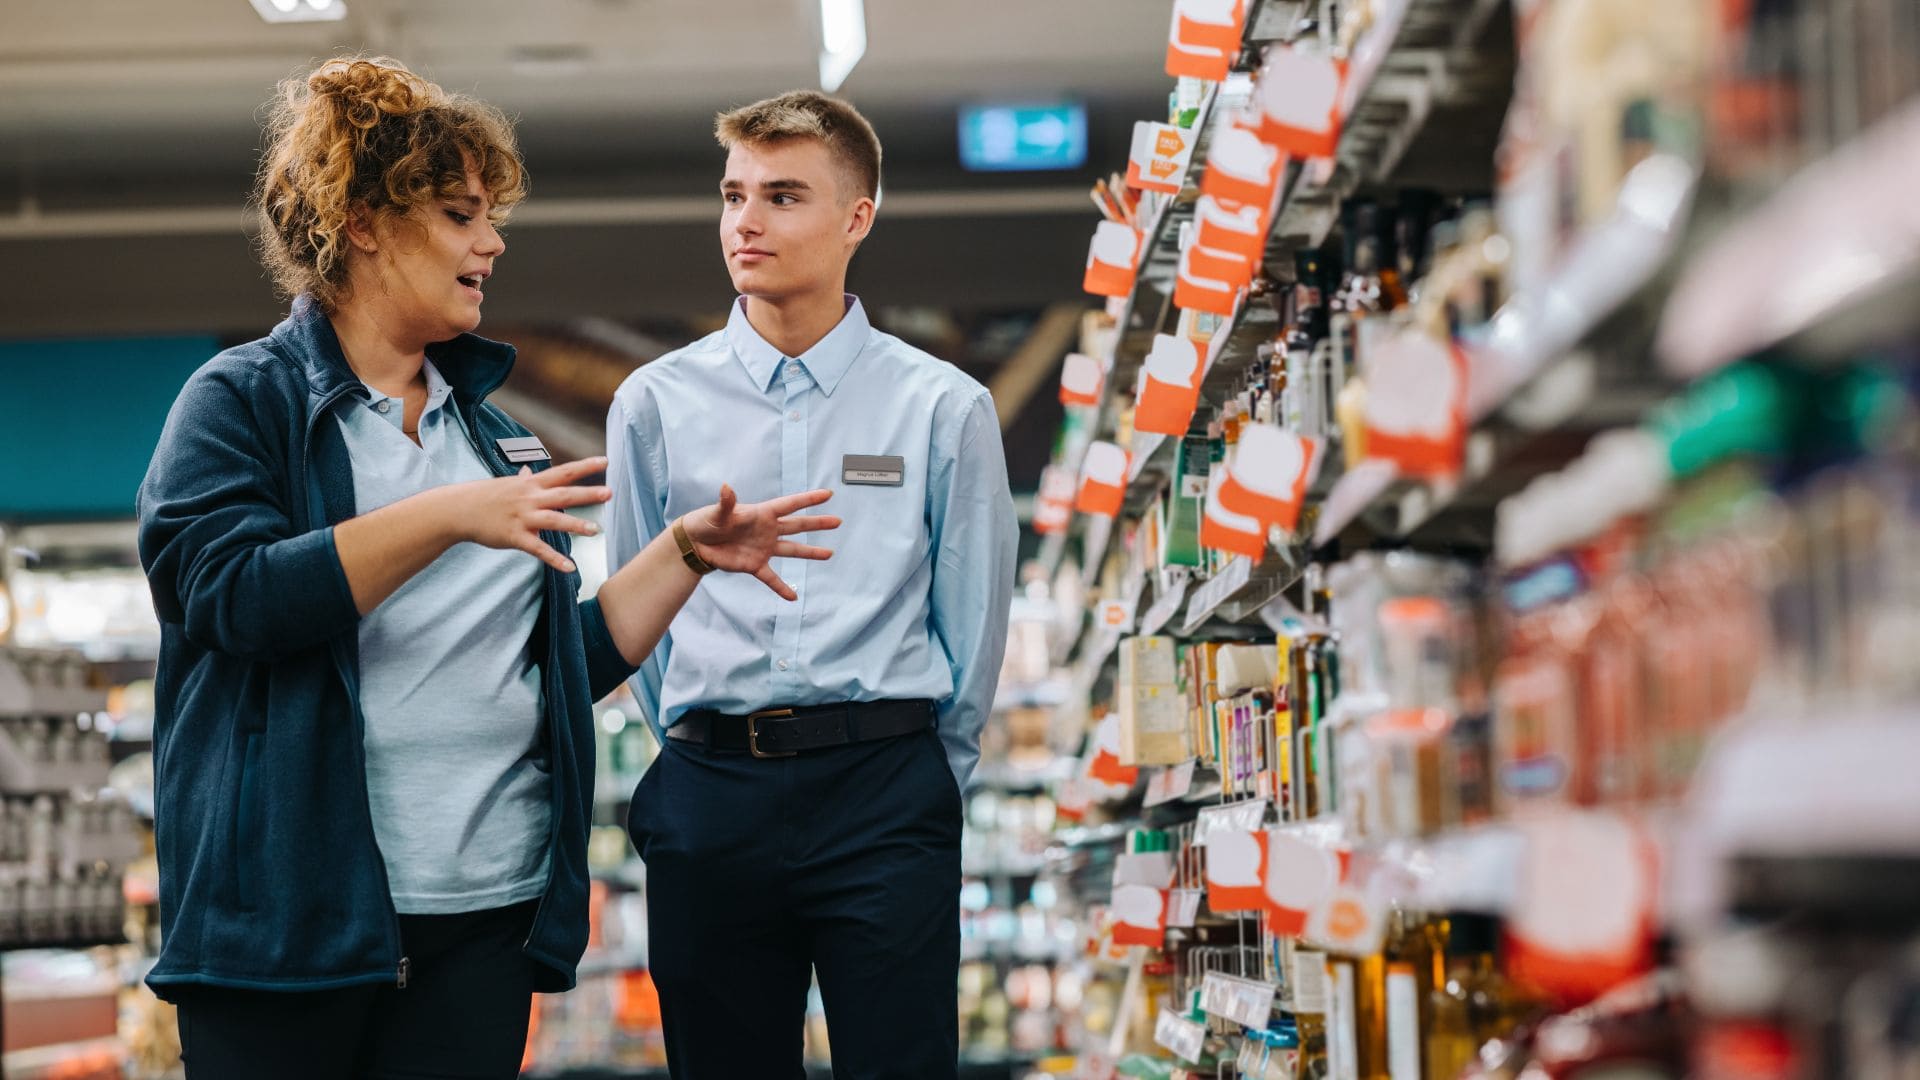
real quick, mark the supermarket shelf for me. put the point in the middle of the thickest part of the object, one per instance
(1828, 264)
(1416, 62)
(1022, 869)
(1229, 355)
(1006, 952)
(1274, 20)
(1238, 590)
(1005, 778)
(1616, 265)
(1149, 308)
(1417, 55)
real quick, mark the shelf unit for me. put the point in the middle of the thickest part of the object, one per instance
(1660, 291)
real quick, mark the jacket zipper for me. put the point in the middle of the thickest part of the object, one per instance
(317, 510)
(499, 466)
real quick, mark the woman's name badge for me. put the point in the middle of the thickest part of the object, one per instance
(522, 450)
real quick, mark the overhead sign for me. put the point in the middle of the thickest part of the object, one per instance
(1009, 138)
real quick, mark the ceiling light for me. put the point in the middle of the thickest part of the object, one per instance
(843, 40)
(293, 11)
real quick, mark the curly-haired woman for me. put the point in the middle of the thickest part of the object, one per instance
(373, 736)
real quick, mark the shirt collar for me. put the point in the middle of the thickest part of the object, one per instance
(476, 366)
(828, 360)
(438, 391)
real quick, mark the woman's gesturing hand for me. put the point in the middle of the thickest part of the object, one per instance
(509, 512)
(742, 538)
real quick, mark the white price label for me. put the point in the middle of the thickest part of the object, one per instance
(1246, 1002)
(1166, 604)
(1180, 1036)
(1309, 982)
(1247, 815)
(1216, 590)
(1183, 906)
(1168, 784)
(1403, 1022)
(1154, 869)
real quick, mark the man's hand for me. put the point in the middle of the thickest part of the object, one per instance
(743, 538)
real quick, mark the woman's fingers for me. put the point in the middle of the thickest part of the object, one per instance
(815, 523)
(787, 504)
(562, 497)
(572, 472)
(784, 550)
(780, 588)
(540, 550)
(555, 521)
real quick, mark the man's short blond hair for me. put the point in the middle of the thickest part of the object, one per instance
(809, 114)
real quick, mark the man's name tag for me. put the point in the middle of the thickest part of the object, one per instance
(884, 470)
(520, 451)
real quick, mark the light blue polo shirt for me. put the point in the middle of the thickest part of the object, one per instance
(456, 773)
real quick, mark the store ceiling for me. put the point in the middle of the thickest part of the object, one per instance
(129, 130)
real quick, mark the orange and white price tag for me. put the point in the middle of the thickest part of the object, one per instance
(1300, 877)
(1208, 24)
(1151, 868)
(1236, 865)
(1105, 766)
(1268, 477)
(1183, 906)
(1072, 798)
(1053, 510)
(1210, 58)
(1298, 95)
(1116, 615)
(1169, 386)
(1111, 260)
(1416, 413)
(1195, 289)
(1139, 915)
(1103, 480)
(1242, 168)
(1353, 917)
(1223, 530)
(1583, 919)
(1051, 518)
(1235, 228)
(1081, 380)
(1159, 158)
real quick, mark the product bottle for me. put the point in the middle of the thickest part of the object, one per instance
(1415, 959)
(1307, 982)
(1356, 1017)
(1475, 1004)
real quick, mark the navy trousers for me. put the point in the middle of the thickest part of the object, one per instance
(462, 1015)
(842, 862)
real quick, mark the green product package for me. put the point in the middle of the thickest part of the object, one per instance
(1180, 543)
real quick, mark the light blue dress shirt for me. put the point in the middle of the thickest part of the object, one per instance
(914, 602)
(457, 778)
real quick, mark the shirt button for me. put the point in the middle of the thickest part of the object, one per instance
(794, 415)
(384, 405)
(782, 665)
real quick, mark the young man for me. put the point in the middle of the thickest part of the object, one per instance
(804, 814)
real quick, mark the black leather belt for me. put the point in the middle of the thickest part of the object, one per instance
(778, 733)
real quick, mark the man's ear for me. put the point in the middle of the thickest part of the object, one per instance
(860, 223)
(360, 232)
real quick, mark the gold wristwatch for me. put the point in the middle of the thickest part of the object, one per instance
(691, 557)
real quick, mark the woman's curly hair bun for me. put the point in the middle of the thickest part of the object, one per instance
(365, 134)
